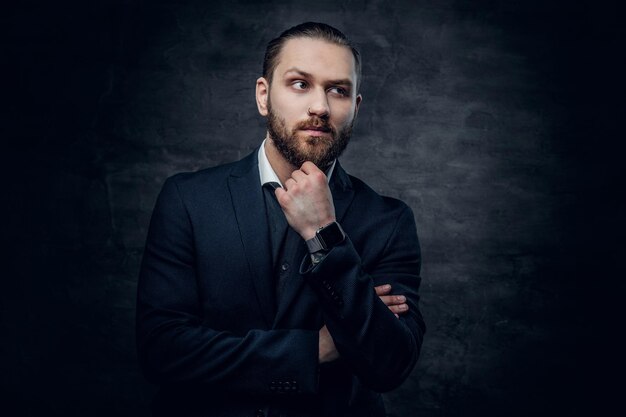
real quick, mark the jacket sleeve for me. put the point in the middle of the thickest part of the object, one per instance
(380, 348)
(174, 343)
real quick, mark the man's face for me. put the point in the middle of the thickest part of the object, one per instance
(312, 102)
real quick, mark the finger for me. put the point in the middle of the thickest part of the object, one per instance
(309, 168)
(399, 309)
(397, 315)
(290, 183)
(298, 175)
(390, 300)
(382, 289)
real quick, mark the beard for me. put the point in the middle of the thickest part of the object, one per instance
(321, 150)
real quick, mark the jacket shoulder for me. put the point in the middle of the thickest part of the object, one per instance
(375, 202)
(214, 178)
(186, 180)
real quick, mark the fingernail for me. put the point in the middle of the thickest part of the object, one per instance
(403, 307)
(401, 298)
(387, 286)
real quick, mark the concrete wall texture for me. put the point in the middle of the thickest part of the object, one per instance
(496, 121)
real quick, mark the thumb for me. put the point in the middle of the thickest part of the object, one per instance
(279, 192)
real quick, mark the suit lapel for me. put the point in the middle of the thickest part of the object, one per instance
(342, 192)
(248, 204)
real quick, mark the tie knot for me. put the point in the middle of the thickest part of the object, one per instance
(269, 189)
(272, 185)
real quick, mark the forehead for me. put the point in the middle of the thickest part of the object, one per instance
(317, 57)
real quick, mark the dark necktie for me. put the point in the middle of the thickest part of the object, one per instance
(276, 221)
(286, 243)
(282, 239)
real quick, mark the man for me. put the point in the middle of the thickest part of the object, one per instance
(265, 288)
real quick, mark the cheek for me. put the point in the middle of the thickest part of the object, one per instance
(291, 119)
(289, 111)
(282, 97)
(342, 115)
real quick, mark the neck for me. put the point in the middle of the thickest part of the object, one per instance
(279, 164)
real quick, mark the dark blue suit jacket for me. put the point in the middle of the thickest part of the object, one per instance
(209, 331)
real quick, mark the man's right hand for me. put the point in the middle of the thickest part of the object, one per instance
(327, 350)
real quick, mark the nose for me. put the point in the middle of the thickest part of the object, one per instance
(319, 105)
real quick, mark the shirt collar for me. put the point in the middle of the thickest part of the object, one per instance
(267, 173)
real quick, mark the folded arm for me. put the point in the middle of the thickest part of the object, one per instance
(381, 349)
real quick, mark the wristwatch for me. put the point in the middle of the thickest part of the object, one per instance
(326, 238)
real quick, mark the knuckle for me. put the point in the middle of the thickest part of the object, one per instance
(283, 198)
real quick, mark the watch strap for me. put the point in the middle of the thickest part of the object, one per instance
(314, 244)
(318, 242)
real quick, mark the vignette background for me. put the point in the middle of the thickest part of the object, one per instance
(496, 121)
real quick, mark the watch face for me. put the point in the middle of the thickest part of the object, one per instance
(331, 235)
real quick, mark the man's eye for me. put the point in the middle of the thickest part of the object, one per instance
(299, 85)
(340, 91)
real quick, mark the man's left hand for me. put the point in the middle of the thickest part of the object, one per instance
(396, 303)
(306, 200)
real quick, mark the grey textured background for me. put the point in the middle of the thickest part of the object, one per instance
(498, 122)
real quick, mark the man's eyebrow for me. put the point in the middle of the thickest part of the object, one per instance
(297, 71)
(345, 81)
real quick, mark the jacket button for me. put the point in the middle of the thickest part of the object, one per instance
(259, 413)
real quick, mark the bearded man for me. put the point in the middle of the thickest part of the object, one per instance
(279, 285)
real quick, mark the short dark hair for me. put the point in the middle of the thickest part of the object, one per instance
(311, 30)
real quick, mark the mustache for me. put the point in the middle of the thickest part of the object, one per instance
(315, 123)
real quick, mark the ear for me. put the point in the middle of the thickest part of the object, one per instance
(262, 95)
(359, 98)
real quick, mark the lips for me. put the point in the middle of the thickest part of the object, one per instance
(318, 132)
(317, 128)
